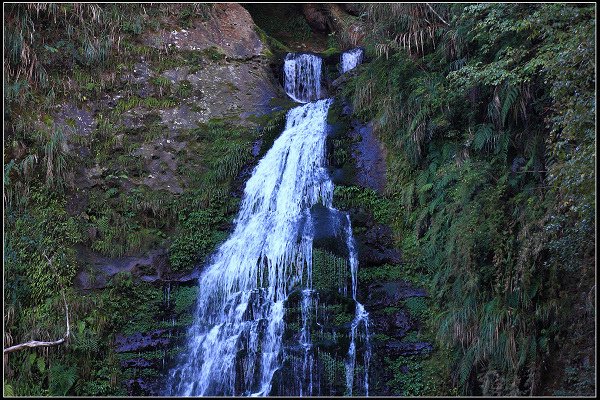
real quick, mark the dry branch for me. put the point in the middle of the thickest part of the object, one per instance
(37, 343)
(438, 15)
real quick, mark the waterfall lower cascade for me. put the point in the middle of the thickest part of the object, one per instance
(350, 59)
(236, 344)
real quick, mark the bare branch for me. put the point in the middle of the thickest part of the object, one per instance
(438, 15)
(36, 343)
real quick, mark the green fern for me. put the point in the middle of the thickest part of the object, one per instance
(61, 379)
(511, 94)
(483, 137)
(8, 390)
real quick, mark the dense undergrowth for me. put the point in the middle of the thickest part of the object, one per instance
(80, 55)
(488, 118)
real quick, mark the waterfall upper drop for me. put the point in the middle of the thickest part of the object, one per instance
(350, 59)
(302, 76)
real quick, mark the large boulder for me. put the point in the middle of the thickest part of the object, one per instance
(315, 16)
(231, 30)
(149, 267)
(396, 324)
(375, 247)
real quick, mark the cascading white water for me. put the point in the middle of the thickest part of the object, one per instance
(302, 77)
(235, 344)
(350, 59)
(243, 290)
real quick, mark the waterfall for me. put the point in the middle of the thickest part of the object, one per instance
(350, 59)
(361, 316)
(302, 77)
(236, 343)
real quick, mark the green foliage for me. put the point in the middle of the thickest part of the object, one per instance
(124, 105)
(196, 238)
(380, 274)
(64, 370)
(346, 197)
(129, 222)
(46, 163)
(42, 40)
(271, 126)
(414, 376)
(224, 149)
(271, 43)
(66, 51)
(188, 12)
(61, 379)
(329, 271)
(418, 308)
(336, 314)
(214, 53)
(184, 297)
(163, 84)
(184, 89)
(45, 230)
(8, 390)
(143, 300)
(481, 132)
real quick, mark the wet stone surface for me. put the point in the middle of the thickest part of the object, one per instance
(142, 341)
(408, 348)
(150, 267)
(390, 294)
(231, 31)
(369, 155)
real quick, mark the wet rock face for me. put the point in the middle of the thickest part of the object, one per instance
(140, 363)
(223, 89)
(369, 154)
(217, 89)
(231, 30)
(394, 325)
(408, 348)
(142, 387)
(376, 244)
(389, 294)
(142, 341)
(75, 121)
(146, 353)
(159, 158)
(228, 78)
(80, 120)
(376, 247)
(329, 228)
(150, 267)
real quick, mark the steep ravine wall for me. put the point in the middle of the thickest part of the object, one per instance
(224, 76)
(162, 146)
(187, 99)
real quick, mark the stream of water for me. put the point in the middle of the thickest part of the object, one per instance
(350, 59)
(235, 344)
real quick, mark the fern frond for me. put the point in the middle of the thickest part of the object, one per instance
(510, 99)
